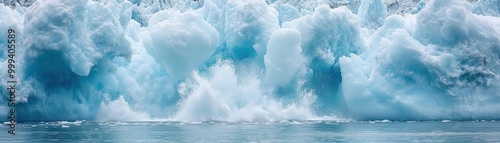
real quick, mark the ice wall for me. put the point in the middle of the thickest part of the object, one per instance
(442, 65)
(254, 60)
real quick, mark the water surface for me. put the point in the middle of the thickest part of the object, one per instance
(280, 131)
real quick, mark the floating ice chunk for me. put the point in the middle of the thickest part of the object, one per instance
(180, 41)
(69, 123)
(284, 56)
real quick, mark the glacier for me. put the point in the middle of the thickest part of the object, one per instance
(253, 60)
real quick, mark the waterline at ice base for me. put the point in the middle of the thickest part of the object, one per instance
(253, 60)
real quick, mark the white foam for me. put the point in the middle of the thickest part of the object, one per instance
(119, 109)
(223, 97)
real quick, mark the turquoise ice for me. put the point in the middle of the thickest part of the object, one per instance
(254, 60)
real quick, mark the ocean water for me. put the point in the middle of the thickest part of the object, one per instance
(277, 131)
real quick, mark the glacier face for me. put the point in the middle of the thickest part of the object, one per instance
(255, 60)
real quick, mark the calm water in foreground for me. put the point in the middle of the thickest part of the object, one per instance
(283, 131)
